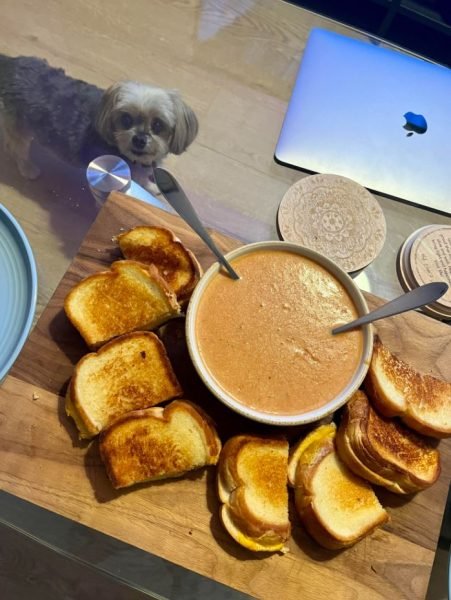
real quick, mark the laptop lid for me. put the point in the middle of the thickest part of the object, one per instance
(374, 115)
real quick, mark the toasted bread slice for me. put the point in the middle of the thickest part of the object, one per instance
(383, 451)
(252, 485)
(336, 507)
(423, 402)
(159, 247)
(129, 373)
(158, 443)
(129, 297)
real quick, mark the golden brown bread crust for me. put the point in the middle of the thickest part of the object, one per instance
(121, 316)
(304, 500)
(317, 530)
(71, 411)
(383, 451)
(163, 459)
(310, 455)
(139, 398)
(308, 460)
(270, 477)
(206, 422)
(421, 400)
(168, 254)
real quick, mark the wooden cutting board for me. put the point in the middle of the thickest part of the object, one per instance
(43, 461)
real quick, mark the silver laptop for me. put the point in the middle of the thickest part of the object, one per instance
(374, 115)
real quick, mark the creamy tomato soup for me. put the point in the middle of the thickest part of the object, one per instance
(266, 339)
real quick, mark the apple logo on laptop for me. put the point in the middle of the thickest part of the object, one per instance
(415, 123)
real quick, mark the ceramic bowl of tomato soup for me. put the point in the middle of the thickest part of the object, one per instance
(263, 345)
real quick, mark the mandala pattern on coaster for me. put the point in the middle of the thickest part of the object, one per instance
(334, 216)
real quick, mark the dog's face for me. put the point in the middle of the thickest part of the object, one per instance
(145, 123)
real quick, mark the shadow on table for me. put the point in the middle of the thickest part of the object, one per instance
(67, 338)
(61, 190)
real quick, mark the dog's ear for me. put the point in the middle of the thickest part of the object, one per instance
(186, 125)
(104, 118)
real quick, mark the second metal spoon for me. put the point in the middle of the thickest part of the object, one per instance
(177, 198)
(425, 294)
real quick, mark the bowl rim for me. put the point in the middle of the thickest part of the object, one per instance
(254, 414)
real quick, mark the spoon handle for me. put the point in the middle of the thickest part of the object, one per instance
(414, 299)
(177, 198)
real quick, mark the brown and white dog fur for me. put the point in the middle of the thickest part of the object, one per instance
(79, 121)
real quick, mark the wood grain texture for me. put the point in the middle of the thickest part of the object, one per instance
(43, 461)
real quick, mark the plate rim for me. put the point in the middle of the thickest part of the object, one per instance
(28, 254)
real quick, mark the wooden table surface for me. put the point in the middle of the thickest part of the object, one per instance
(235, 62)
(43, 461)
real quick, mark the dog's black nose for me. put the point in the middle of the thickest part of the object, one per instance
(139, 140)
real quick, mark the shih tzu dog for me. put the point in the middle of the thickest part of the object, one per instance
(78, 121)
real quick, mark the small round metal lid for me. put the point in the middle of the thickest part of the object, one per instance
(424, 257)
(334, 216)
(107, 174)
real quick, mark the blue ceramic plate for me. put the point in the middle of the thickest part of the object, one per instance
(18, 290)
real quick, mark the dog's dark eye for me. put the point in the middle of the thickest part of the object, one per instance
(158, 126)
(126, 120)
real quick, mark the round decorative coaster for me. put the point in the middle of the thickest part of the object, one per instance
(334, 216)
(424, 257)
